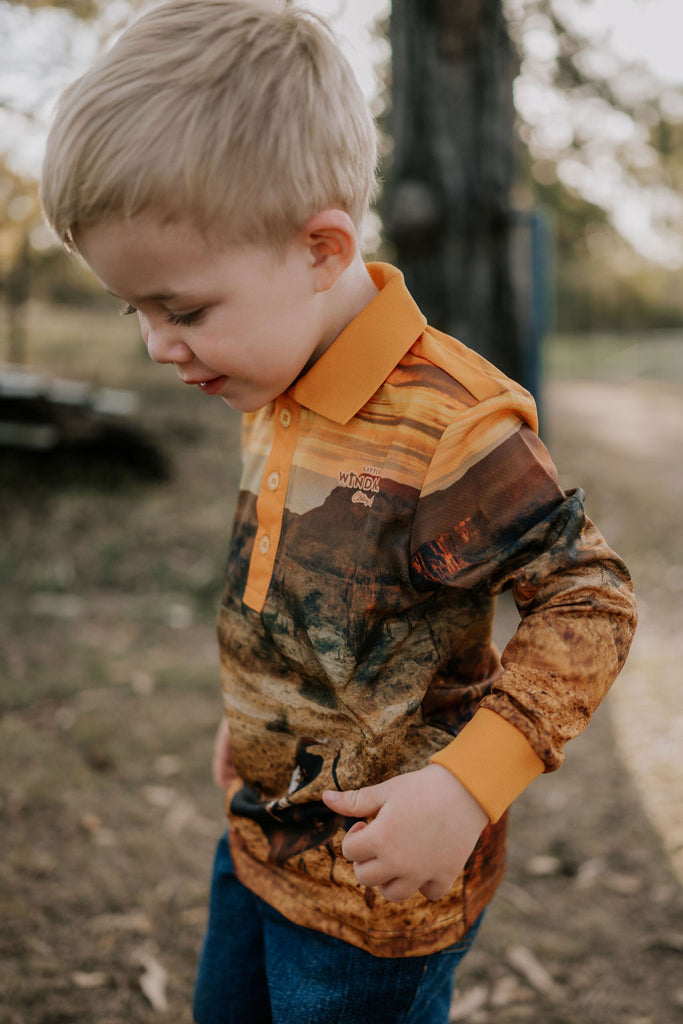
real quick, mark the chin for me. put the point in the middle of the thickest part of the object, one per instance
(244, 404)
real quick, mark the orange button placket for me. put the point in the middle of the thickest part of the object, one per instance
(270, 505)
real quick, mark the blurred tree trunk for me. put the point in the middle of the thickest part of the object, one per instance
(447, 208)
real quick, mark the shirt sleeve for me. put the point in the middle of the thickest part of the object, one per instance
(500, 522)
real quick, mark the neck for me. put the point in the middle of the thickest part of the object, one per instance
(352, 292)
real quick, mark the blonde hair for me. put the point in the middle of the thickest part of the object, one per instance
(238, 114)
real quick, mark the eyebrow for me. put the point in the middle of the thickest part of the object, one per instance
(160, 297)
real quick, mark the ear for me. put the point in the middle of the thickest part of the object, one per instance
(330, 238)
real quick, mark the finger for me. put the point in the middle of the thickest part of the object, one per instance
(356, 828)
(353, 831)
(359, 844)
(434, 890)
(398, 889)
(372, 873)
(356, 803)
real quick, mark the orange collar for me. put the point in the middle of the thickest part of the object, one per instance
(361, 358)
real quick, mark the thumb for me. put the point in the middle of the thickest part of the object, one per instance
(356, 803)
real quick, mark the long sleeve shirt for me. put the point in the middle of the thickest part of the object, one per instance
(387, 498)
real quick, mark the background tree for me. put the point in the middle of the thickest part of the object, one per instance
(447, 209)
(596, 137)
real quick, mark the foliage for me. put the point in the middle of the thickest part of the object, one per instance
(609, 126)
(601, 143)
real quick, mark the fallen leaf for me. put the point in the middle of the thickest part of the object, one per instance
(622, 884)
(160, 796)
(508, 990)
(543, 865)
(469, 1003)
(519, 898)
(153, 981)
(589, 872)
(533, 971)
(89, 979)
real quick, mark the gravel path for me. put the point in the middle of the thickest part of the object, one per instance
(621, 441)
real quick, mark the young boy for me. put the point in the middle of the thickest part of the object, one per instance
(213, 169)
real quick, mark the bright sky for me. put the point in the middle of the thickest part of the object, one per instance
(649, 30)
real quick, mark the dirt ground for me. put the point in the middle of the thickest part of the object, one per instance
(109, 701)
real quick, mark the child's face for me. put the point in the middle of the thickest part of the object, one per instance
(237, 321)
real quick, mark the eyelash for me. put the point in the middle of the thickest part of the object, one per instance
(177, 319)
(184, 319)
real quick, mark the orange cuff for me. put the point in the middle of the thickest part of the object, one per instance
(492, 759)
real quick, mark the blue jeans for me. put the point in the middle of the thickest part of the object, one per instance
(256, 967)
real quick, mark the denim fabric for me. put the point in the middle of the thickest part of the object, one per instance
(256, 967)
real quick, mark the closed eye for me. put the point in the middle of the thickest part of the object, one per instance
(177, 319)
(184, 319)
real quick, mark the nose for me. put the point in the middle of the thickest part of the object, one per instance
(164, 345)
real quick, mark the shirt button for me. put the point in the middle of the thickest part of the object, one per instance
(264, 544)
(285, 417)
(273, 481)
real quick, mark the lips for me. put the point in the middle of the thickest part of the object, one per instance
(211, 386)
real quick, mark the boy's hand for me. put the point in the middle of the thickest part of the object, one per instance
(424, 826)
(222, 766)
